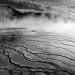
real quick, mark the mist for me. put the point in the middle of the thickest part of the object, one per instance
(42, 23)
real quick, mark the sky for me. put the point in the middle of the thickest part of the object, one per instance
(56, 2)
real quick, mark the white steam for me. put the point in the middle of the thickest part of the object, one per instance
(42, 23)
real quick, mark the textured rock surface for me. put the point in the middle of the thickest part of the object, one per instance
(38, 54)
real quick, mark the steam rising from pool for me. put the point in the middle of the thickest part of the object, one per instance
(42, 23)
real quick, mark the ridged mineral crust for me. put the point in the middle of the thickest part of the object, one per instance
(39, 53)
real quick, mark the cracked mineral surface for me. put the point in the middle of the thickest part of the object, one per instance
(36, 43)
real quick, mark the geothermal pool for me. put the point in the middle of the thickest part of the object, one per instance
(37, 44)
